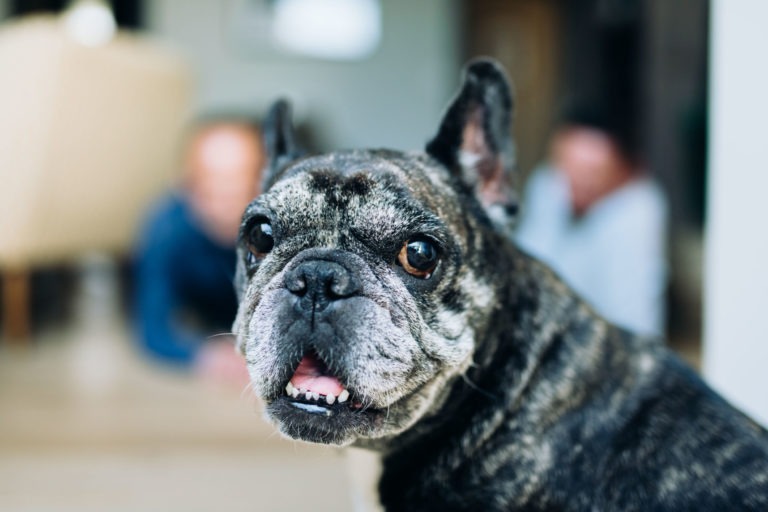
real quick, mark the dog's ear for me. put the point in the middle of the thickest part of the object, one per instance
(279, 141)
(474, 138)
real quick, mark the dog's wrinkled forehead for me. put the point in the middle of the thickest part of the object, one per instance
(372, 193)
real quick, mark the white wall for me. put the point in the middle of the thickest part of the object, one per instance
(736, 273)
(394, 99)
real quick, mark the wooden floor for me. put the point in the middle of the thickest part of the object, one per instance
(88, 425)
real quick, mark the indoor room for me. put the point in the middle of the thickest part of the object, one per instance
(134, 134)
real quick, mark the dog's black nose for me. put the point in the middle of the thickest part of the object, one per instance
(318, 282)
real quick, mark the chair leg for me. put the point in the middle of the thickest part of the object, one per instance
(16, 291)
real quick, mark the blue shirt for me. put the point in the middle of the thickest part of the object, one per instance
(184, 290)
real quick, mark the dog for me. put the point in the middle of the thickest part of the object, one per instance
(383, 305)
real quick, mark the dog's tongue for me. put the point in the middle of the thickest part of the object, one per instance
(310, 376)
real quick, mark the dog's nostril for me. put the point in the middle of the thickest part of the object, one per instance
(340, 285)
(296, 283)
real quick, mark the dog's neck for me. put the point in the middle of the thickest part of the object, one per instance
(517, 361)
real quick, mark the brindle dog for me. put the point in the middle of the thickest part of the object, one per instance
(383, 305)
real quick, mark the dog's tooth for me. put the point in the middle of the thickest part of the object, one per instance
(295, 393)
(343, 396)
(289, 389)
(308, 395)
(315, 396)
(330, 399)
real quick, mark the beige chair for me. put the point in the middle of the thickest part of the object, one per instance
(88, 138)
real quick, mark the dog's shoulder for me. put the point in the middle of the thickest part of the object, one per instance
(670, 443)
(682, 444)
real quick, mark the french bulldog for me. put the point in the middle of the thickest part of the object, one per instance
(383, 305)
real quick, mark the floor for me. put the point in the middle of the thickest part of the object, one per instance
(86, 424)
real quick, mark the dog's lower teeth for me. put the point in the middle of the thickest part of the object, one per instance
(311, 396)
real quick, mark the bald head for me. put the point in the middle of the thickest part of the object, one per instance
(223, 162)
(593, 164)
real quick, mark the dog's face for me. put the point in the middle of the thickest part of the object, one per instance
(363, 276)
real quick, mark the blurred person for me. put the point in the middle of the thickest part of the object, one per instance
(597, 217)
(185, 301)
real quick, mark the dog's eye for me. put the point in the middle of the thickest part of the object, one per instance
(419, 258)
(260, 240)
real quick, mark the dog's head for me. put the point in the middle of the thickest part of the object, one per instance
(365, 276)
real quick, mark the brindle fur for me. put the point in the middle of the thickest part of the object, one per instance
(489, 386)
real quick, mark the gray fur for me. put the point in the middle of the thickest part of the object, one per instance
(490, 385)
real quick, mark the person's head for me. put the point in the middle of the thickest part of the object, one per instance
(594, 153)
(223, 162)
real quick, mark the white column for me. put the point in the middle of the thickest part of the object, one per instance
(736, 268)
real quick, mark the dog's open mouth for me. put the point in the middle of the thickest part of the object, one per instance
(316, 406)
(314, 389)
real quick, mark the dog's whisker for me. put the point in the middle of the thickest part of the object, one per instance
(221, 335)
(248, 388)
(476, 387)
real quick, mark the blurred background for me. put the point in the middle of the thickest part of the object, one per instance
(109, 111)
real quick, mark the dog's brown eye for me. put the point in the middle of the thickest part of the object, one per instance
(260, 240)
(419, 258)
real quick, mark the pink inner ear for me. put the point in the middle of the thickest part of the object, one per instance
(473, 139)
(487, 169)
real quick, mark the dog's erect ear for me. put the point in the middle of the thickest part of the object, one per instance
(279, 141)
(474, 137)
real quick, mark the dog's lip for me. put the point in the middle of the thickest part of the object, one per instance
(336, 424)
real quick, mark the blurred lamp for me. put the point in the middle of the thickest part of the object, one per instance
(90, 22)
(328, 29)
